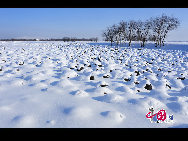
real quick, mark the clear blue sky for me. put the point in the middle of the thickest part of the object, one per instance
(79, 22)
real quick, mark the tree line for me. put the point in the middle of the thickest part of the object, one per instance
(65, 39)
(154, 29)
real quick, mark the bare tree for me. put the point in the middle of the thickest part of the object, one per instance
(145, 32)
(131, 31)
(155, 29)
(117, 33)
(123, 31)
(171, 24)
(138, 30)
(109, 34)
(161, 26)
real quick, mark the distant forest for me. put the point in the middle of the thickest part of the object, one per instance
(65, 39)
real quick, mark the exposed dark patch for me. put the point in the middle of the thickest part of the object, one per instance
(168, 86)
(92, 78)
(103, 85)
(81, 68)
(100, 65)
(136, 82)
(137, 73)
(107, 76)
(148, 87)
(182, 78)
(21, 63)
(127, 79)
(99, 59)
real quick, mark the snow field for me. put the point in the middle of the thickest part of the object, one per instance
(48, 84)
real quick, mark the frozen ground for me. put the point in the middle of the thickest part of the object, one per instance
(47, 84)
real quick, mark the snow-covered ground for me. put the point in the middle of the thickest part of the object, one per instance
(47, 84)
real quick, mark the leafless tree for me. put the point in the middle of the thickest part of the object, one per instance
(109, 34)
(145, 32)
(131, 31)
(161, 26)
(123, 31)
(171, 24)
(117, 33)
(155, 29)
(138, 30)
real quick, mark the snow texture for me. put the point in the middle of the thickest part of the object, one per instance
(48, 84)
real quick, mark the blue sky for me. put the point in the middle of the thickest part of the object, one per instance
(79, 22)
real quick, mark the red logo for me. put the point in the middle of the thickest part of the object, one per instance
(161, 115)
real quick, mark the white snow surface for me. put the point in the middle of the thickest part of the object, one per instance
(47, 84)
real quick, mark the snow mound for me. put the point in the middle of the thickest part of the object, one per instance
(82, 112)
(81, 93)
(113, 116)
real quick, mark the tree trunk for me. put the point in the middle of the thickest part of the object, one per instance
(160, 42)
(143, 42)
(129, 43)
(156, 43)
